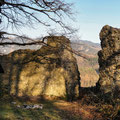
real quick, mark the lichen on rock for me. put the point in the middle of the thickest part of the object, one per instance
(49, 71)
(109, 61)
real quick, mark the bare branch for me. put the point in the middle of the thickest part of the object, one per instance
(19, 13)
(21, 44)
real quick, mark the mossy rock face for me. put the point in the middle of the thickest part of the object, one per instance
(49, 71)
(109, 61)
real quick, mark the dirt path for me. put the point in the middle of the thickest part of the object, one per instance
(84, 112)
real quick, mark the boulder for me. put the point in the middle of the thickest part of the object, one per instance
(51, 71)
(109, 61)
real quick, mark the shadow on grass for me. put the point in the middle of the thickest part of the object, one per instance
(9, 111)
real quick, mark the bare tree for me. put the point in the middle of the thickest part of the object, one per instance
(18, 13)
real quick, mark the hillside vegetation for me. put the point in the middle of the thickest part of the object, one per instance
(88, 67)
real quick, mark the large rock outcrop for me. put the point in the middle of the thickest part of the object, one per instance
(49, 71)
(109, 61)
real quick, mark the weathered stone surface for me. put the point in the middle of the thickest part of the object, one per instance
(109, 61)
(49, 71)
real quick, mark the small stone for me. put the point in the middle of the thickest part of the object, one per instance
(18, 106)
(13, 103)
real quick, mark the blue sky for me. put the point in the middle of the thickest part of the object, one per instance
(94, 14)
(91, 16)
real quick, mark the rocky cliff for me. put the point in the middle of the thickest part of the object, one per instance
(109, 61)
(88, 68)
(49, 71)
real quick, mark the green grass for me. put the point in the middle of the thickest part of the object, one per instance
(9, 111)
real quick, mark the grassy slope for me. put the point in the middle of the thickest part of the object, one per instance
(9, 111)
(52, 110)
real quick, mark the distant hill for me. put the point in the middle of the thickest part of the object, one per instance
(86, 47)
(88, 67)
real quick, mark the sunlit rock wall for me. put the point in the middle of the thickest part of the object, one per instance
(49, 71)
